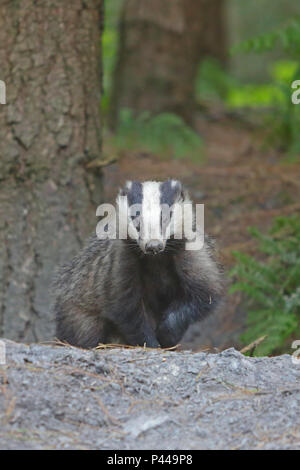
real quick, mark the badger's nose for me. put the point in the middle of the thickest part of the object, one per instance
(154, 247)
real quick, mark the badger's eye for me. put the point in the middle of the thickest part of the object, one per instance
(136, 220)
(135, 215)
(168, 218)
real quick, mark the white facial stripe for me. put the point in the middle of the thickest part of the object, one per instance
(151, 211)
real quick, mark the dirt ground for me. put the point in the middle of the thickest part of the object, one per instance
(242, 183)
(68, 398)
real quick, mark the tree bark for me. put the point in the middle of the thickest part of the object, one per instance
(215, 40)
(161, 44)
(50, 60)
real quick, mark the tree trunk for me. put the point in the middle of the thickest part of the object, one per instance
(49, 133)
(161, 44)
(215, 41)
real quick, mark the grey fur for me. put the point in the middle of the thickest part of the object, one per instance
(114, 292)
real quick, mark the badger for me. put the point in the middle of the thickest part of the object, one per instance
(142, 290)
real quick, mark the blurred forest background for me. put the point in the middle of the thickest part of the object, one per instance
(199, 90)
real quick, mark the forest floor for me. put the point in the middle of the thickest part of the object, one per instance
(68, 398)
(242, 183)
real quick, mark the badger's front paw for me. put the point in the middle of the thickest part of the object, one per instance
(152, 343)
(167, 333)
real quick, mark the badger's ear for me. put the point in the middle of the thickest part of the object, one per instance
(125, 189)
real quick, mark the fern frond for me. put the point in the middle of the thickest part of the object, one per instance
(272, 287)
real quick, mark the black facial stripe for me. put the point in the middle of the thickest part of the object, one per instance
(135, 194)
(168, 192)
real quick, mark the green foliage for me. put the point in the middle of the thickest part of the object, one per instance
(284, 121)
(282, 117)
(272, 287)
(286, 37)
(165, 134)
(213, 82)
(275, 94)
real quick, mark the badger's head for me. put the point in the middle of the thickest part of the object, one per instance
(151, 210)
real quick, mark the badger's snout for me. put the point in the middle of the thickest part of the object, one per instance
(154, 246)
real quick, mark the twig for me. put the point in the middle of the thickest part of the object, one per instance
(127, 346)
(252, 346)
